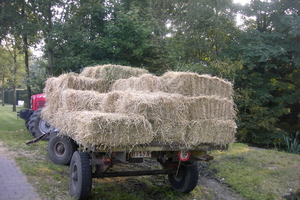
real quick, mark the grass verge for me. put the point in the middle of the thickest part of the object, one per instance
(258, 173)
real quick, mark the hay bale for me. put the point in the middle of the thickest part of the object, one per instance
(210, 131)
(192, 84)
(144, 83)
(112, 72)
(211, 107)
(170, 131)
(79, 100)
(76, 82)
(48, 113)
(184, 83)
(154, 106)
(55, 85)
(104, 129)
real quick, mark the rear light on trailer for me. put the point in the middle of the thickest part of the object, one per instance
(106, 161)
(184, 155)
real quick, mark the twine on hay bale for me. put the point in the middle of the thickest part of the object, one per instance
(105, 129)
(112, 72)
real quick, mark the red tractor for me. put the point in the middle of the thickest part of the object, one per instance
(60, 149)
(32, 116)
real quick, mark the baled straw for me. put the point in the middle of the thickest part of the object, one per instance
(112, 72)
(192, 84)
(185, 83)
(104, 129)
(209, 131)
(170, 131)
(139, 109)
(77, 100)
(154, 106)
(144, 83)
(211, 107)
(55, 85)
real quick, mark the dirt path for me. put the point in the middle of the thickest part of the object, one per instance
(220, 191)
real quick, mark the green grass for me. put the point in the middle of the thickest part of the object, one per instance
(8, 119)
(258, 174)
(254, 174)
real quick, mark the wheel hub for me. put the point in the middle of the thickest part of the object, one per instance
(60, 149)
(44, 126)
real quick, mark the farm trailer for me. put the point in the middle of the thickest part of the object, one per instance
(86, 163)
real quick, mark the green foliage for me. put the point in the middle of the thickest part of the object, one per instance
(292, 143)
(38, 76)
(267, 90)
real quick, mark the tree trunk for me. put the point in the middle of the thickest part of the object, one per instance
(50, 62)
(3, 92)
(26, 60)
(14, 99)
(50, 46)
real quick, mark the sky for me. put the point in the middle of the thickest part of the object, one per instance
(243, 2)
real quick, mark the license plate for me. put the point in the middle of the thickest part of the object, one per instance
(140, 154)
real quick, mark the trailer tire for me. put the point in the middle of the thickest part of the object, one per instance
(80, 175)
(61, 149)
(186, 179)
(37, 126)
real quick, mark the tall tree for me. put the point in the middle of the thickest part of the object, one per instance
(18, 20)
(202, 29)
(4, 71)
(267, 87)
(16, 71)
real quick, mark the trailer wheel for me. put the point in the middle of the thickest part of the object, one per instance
(37, 126)
(186, 179)
(61, 149)
(80, 175)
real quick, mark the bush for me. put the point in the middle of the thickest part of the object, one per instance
(292, 143)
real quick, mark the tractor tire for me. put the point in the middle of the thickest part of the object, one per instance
(27, 125)
(80, 175)
(186, 179)
(61, 149)
(37, 126)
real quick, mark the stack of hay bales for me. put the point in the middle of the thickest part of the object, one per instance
(133, 107)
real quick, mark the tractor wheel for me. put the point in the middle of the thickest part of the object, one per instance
(61, 149)
(37, 126)
(80, 175)
(186, 178)
(27, 124)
